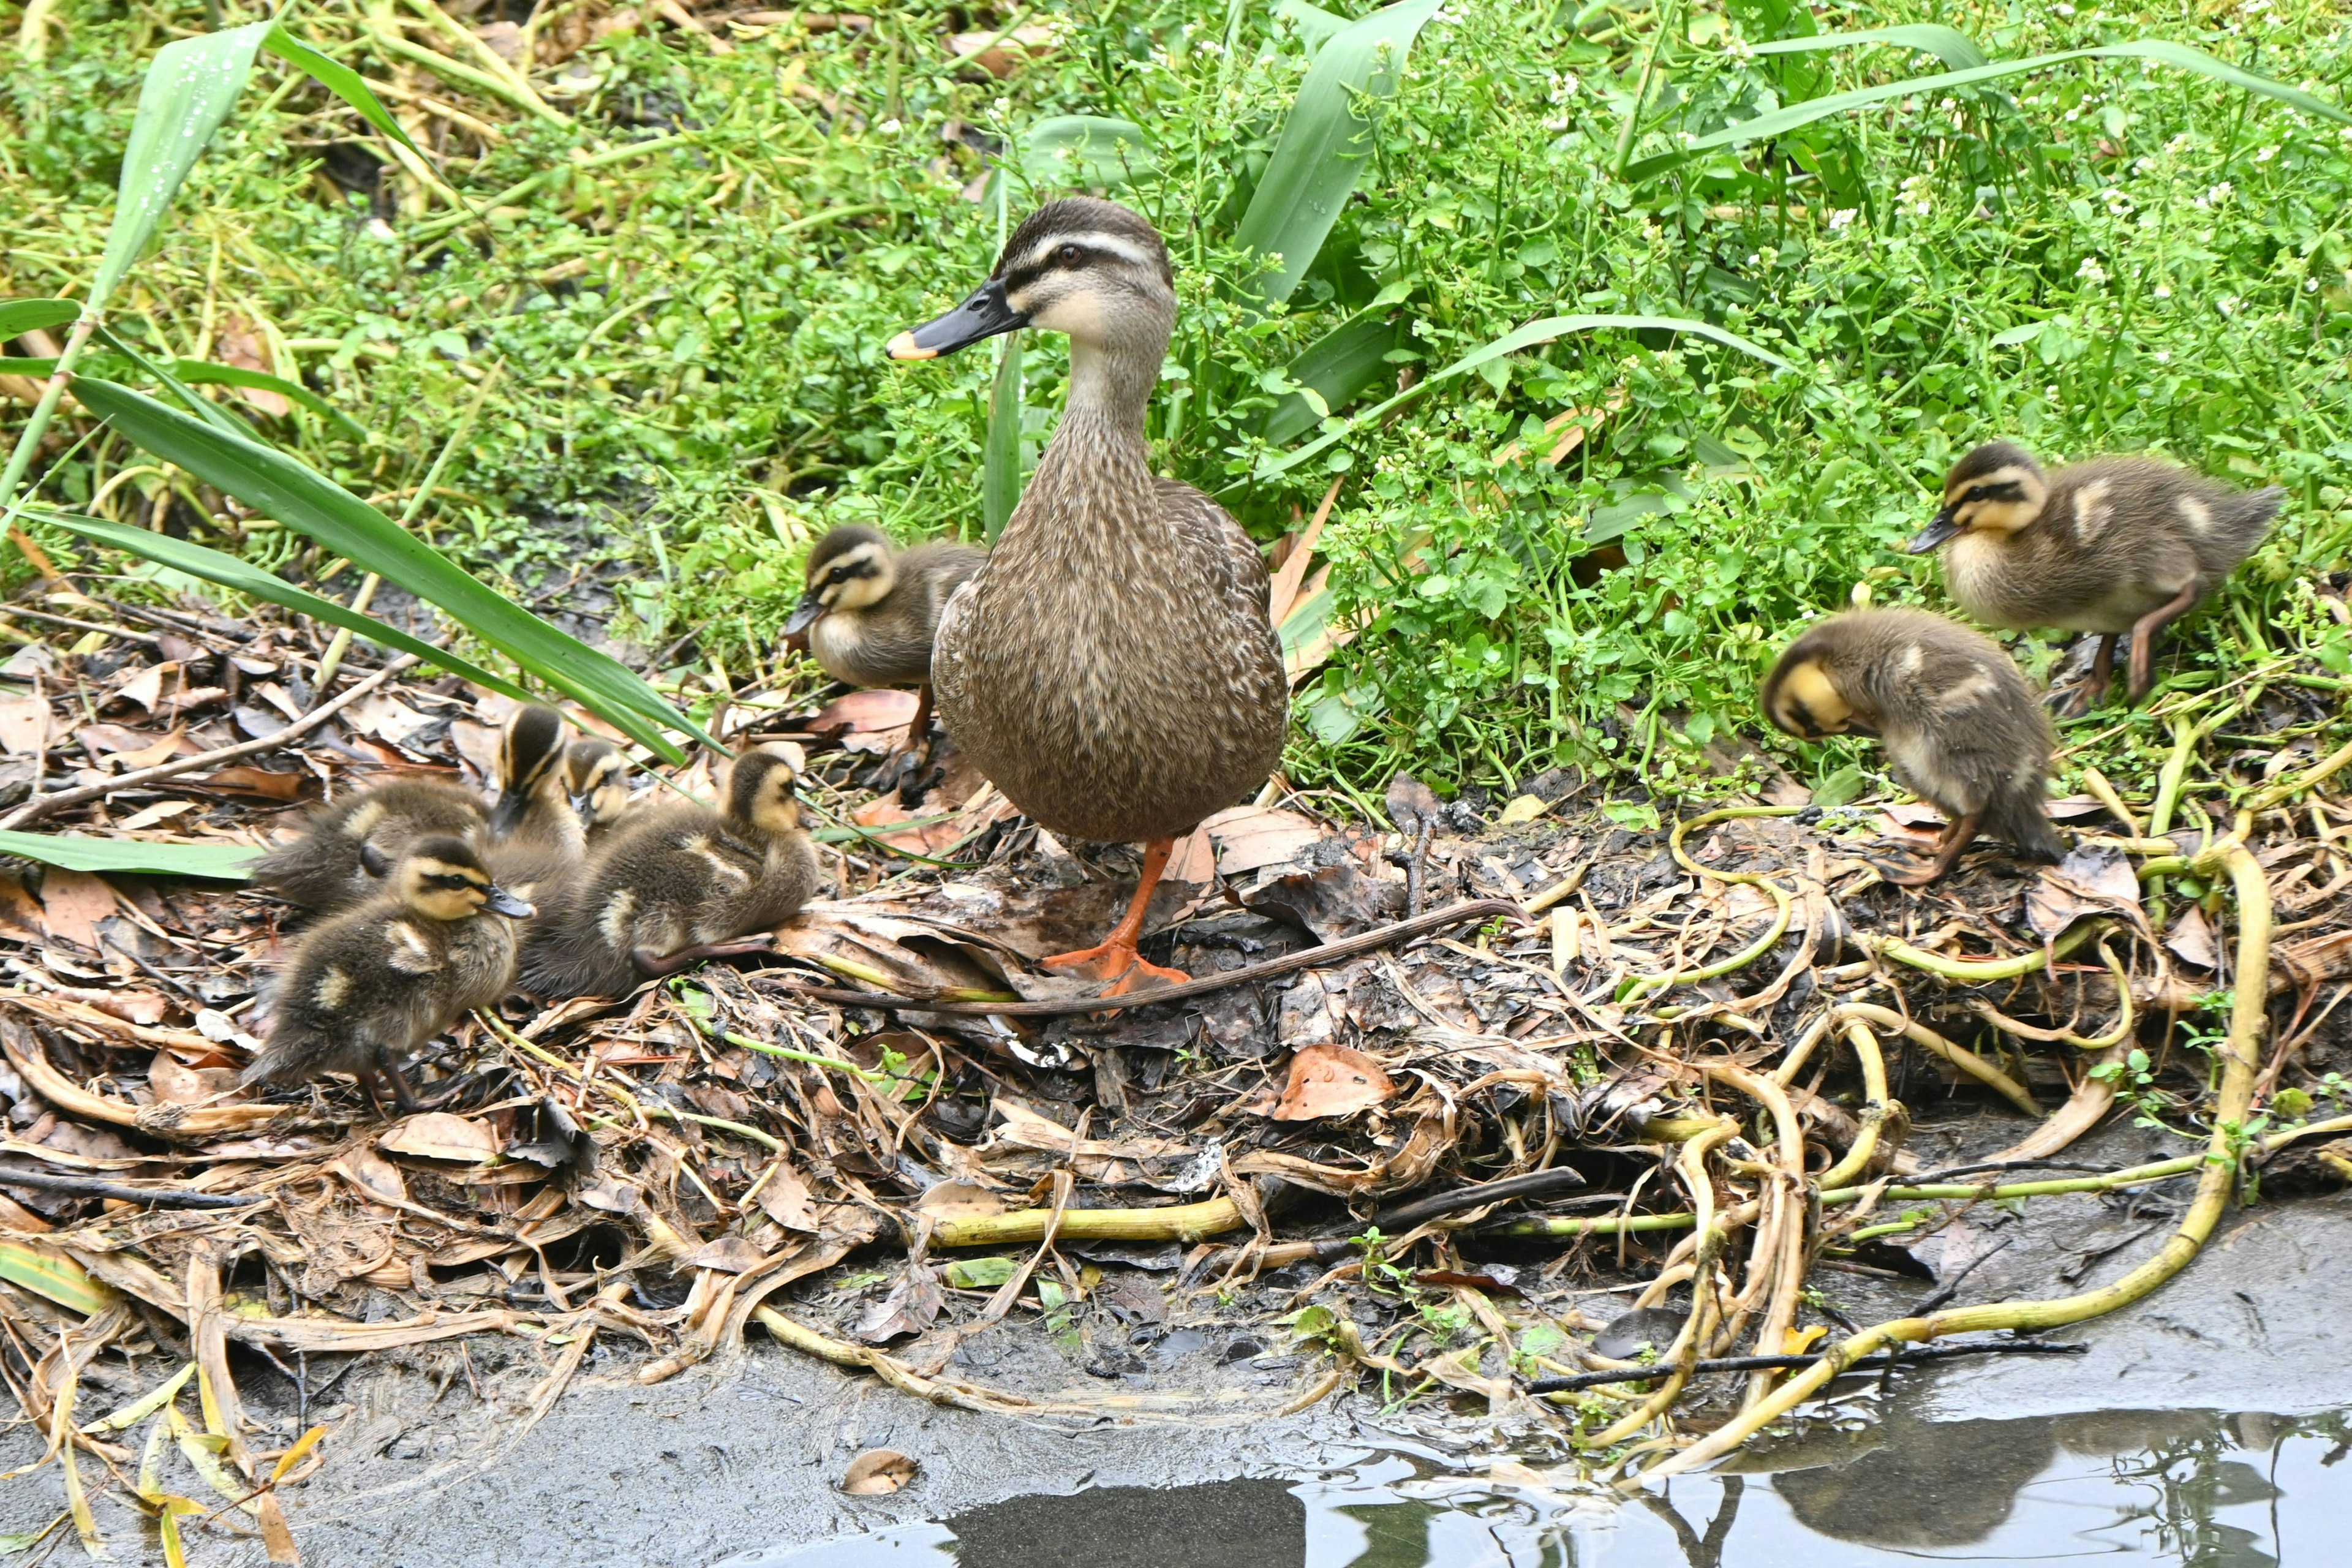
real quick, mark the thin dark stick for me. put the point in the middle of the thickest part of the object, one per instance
(1402, 1219)
(1778, 1362)
(42, 805)
(1951, 1288)
(1949, 1172)
(90, 1187)
(1329, 952)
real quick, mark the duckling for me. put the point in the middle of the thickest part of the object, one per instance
(532, 793)
(596, 783)
(364, 990)
(346, 846)
(2109, 546)
(1960, 724)
(869, 616)
(1113, 667)
(678, 882)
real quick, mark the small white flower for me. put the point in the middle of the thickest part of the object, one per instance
(2091, 272)
(2219, 195)
(1917, 196)
(2265, 154)
(2164, 357)
(2162, 290)
(889, 128)
(2062, 10)
(1839, 218)
(2226, 305)
(1753, 258)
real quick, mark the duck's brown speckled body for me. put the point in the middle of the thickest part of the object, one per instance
(327, 868)
(1113, 669)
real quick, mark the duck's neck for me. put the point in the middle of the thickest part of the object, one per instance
(1098, 448)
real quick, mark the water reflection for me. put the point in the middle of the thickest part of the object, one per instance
(2190, 1489)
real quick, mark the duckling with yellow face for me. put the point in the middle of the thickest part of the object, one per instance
(870, 614)
(364, 991)
(678, 883)
(1962, 727)
(2110, 546)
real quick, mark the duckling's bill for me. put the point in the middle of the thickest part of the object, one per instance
(499, 901)
(806, 614)
(985, 314)
(1935, 535)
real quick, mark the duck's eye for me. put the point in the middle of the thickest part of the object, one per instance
(1069, 256)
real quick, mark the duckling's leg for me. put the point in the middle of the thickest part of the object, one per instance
(1957, 837)
(1115, 959)
(654, 965)
(2079, 700)
(2143, 635)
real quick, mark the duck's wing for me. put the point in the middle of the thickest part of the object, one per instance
(1217, 538)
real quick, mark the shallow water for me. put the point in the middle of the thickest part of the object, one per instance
(2199, 1489)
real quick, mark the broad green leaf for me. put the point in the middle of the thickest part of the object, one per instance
(1954, 47)
(61, 1280)
(18, 317)
(215, 566)
(280, 487)
(1511, 342)
(203, 408)
(1781, 122)
(186, 95)
(1326, 143)
(981, 1273)
(1085, 150)
(1316, 25)
(1000, 471)
(1837, 788)
(220, 862)
(1341, 366)
(340, 79)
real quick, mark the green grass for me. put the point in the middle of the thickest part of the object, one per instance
(2104, 254)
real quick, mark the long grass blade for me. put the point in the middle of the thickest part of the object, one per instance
(340, 79)
(228, 572)
(186, 95)
(60, 1280)
(1796, 116)
(1085, 150)
(134, 857)
(206, 373)
(1000, 470)
(18, 317)
(302, 498)
(1326, 142)
(1341, 366)
(1511, 342)
(1949, 44)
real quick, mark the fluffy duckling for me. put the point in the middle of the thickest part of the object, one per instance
(869, 616)
(678, 882)
(1959, 723)
(345, 847)
(532, 793)
(2109, 546)
(367, 988)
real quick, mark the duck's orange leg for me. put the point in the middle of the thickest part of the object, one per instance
(1115, 959)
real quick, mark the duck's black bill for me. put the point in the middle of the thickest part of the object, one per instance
(1934, 534)
(810, 607)
(582, 801)
(507, 814)
(501, 902)
(985, 314)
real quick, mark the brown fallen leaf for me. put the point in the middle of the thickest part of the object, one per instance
(1000, 55)
(24, 724)
(370, 1174)
(1410, 802)
(175, 1084)
(958, 1200)
(2191, 938)
(878, 1472)
(2089, 881)
(785, 1198)
(262, 782)
(146, 686)
(1331, 1080)
(865, 713)
(437, 1135)
(239, 343)
(728, 1254)
(1250, 836)
(72, 903)
(913, 1305)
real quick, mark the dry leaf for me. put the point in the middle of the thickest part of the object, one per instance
(262, 782)
(174, 1084)
(24, 724)
(785, 1198)
(1523, 808)
(239, 343)
(1250, 836)
(1331, 1080)
(1000, 54)
(2191, 938)
(878, 1472)
(1796, 1341)
(913, 1305)
(370, 1174)
(728, 1254)
(1410, 802)
(866, 712)
(146, 688)
(388, 719)
(72, 903)
(959, 1200)
(161, 811)
(437, 1135)
(2089, 881)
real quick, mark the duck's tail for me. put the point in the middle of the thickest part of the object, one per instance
(2023, 824)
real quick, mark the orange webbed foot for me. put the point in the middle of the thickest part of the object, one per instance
(1117, 961)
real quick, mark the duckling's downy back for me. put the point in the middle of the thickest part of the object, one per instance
(323, 869)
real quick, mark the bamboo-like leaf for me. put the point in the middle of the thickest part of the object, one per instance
(1000, 470)
(1511, 342)
(18, 317)
(218, 862)
(302, 498)
(186, 95)
(205, 372)
(60, 1280)
(1085, 150)
(293, 1456)
(340, 79)
(1326, 142)
(1949, 44)
(1341, 366)
(154, 1399)
(1781, 122)
(216, 566)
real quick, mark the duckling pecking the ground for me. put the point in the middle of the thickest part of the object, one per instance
(366, 989)
(870, 615)
(678, 883)
(1113, 669)
(1962, 727)
(344, 847)
(2112, 546)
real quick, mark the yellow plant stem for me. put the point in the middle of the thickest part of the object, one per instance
(1927, 1039)
(1982, 970)
(1180, 1221)
(1638, 985)
(1875, 1106)
(2240, 1057)
(1776, 1260)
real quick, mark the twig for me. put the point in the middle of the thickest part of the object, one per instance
(1785, 1363)
(44, 805)
(1329, 952)
(90, 1187)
